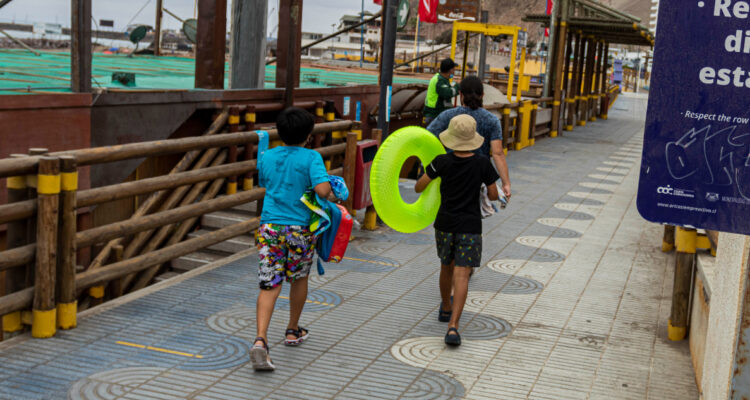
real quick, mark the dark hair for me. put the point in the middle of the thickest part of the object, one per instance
(294, 125)
(446, 65)
(473, 90)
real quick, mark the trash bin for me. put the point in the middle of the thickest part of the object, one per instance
(365, 154)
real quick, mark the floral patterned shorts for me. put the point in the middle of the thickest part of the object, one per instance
(463, 248)
(286, 252)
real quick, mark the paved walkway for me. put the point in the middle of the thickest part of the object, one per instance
(571, 303)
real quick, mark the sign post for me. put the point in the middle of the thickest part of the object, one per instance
(696, 156)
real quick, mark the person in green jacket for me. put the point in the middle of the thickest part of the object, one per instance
(440, 92)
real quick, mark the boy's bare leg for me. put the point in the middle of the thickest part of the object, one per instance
(460, 291)
(264, 310)
(446, 285)
(297, 299)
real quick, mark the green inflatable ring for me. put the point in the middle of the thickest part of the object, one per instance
(384, 177)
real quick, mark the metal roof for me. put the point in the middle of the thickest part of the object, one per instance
(592, 18)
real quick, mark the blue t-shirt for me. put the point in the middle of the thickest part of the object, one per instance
(287, 172)
(488, 125)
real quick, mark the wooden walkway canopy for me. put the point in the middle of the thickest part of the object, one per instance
(581, 32)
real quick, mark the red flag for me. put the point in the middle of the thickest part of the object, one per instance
(378, 2)
(549, 12)
(428, 11)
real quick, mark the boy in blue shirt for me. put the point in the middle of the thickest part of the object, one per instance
(284, 239)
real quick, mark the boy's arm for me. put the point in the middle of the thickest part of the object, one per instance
(319, 178)
(324, 191)
(492, 192)
(422, 183)
(502, 165)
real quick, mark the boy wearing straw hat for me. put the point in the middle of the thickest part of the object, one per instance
(458, 226)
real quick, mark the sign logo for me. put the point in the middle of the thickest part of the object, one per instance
(665, 190)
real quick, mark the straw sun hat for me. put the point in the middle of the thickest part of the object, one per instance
(461, 134)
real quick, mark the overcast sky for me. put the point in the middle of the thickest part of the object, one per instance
(317, 15)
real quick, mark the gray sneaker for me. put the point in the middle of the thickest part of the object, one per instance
(259, 355)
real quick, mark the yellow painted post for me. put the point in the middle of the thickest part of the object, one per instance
(44, 311)
(454, 36)
(512, 72)
(555, 116)
(532, 124)
(667, 241)
(67, 304)
(523, 121)
(570, 100)
(685, 240)
(234, 126)
(519, 85)
(16, 236)
(371, 216)
(248, 181)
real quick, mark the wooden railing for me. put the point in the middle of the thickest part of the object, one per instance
(42, 274)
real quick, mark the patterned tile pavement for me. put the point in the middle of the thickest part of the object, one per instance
(571, 303)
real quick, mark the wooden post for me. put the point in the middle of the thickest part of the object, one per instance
(575, 85)
(15, 278)
(371, 216)
(290, 17)
(210, 53)
(67, 305)
(603, 107)
(80, 51)
(588, 56)
(44, 314)
(532, 124)
(506, 126)
(667, 242)
(250, 117)
(558, 79)
(685, 239)
(350, 161)
(566, 66)
(330, 115)
(234, 127)
(31, 223)
(157, 28)
(248, 44)
(319, 118)
(579, 78)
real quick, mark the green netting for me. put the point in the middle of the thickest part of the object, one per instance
(22, 72)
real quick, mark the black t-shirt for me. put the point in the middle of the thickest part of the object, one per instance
(461, 181)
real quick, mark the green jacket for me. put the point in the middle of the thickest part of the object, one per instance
(439, 96)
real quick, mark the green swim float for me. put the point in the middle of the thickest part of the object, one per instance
(384, 177)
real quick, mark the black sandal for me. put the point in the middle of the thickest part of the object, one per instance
(444, 316)
(259, 355)
(298, 333)
(452, 339)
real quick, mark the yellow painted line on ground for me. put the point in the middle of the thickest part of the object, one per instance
(310, 301)
(369, 261)
(140, 346)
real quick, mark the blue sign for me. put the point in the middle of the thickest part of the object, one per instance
(617, 72)
(358, 116)
(696, 154)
